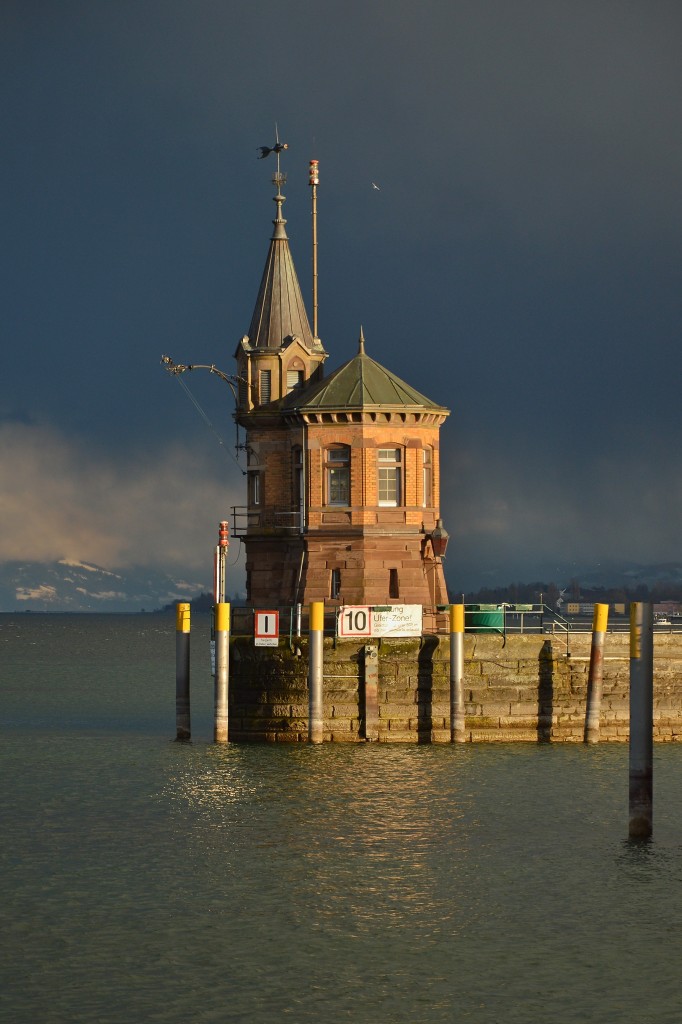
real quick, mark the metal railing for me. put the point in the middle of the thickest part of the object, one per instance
(294, 619)
(502, 619)
(269, 519)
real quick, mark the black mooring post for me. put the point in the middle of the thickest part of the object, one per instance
(641, 720)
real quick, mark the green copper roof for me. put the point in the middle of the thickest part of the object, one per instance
(360, 383)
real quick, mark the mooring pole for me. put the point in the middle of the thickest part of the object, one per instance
(315, 668)
(596, 673)
(641, 720)
(182, 715)
(222, 671)
(371, 692)
(457, 673)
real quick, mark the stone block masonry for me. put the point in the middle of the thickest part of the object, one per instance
(522, 689)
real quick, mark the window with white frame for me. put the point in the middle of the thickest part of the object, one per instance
(390, 471)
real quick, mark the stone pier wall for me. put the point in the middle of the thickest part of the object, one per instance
(522, 688)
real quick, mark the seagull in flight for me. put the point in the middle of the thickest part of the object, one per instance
(374, 185)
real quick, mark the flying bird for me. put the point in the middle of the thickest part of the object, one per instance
(374, 185)
(267, 150)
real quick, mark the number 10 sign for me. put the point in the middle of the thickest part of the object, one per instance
(355, 621)
(382, 620)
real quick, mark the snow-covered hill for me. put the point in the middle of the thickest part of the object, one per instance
(72, 586)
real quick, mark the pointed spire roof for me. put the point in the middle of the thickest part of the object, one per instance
(280, 312)
(361, 383)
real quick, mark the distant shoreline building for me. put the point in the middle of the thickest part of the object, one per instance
(343, 472)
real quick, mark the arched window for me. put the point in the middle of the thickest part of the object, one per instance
(390, 476)
(295, 374)
(337, 475)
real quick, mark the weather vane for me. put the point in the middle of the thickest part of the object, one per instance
(278, 177)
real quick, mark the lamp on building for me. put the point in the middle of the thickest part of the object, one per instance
(439, 539)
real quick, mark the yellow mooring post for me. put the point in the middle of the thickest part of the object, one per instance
(596, 673)
(315, 669)
(182, 628)
(457, 673)
(641, 720)
(222, 671)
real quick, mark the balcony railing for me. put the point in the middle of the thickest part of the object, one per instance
(269, 519)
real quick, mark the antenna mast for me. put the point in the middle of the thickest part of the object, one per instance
(314, 180)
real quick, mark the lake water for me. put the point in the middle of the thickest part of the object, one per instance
(146, 880)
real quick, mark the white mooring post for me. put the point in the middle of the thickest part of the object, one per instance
(641, 720)
(596, 673)
(222, 671)
(182, 712)
(315, 669)
(457, 734)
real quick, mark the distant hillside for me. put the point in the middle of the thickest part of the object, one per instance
(655, 583)
(72, 586)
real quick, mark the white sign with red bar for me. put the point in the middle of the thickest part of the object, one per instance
(266, 629)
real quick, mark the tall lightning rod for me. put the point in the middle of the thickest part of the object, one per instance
(314, 180)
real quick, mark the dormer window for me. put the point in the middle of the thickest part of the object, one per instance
(265, 379)
(295, 379)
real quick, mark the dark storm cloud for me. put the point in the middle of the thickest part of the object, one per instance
(521, 263)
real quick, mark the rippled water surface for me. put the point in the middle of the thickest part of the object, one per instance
(145, 880)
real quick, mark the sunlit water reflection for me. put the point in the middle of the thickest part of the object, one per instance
(144, 880)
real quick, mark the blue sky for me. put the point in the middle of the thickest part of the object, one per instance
(521, 263)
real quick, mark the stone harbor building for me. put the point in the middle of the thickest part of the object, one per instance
(343, 483)
(343, 508)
